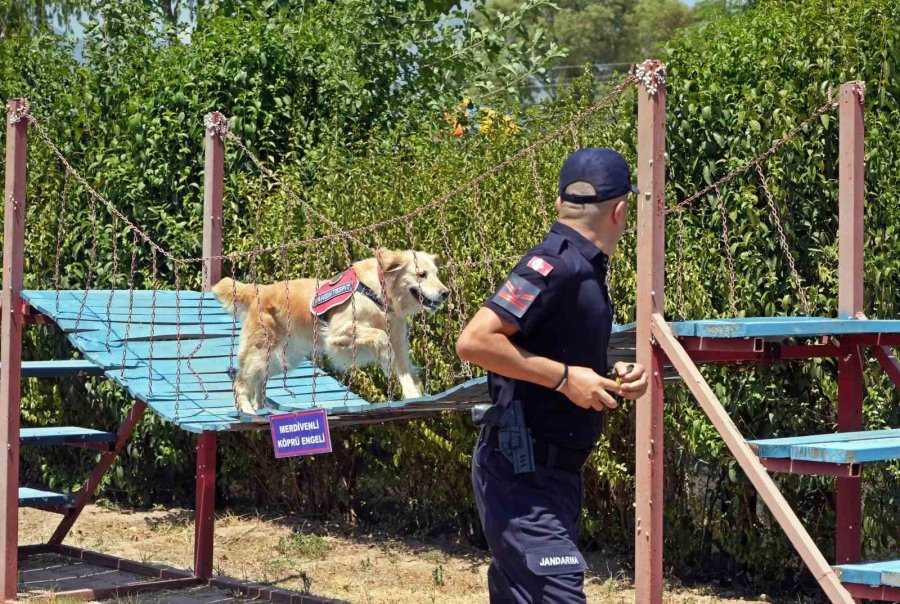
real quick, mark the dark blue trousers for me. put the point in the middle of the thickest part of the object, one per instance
(531, 525)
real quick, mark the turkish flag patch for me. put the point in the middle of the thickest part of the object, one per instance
(516, 295)
(540, 265)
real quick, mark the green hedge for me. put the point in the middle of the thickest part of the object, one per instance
(734, 87)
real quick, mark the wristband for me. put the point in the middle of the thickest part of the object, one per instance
(563, 379)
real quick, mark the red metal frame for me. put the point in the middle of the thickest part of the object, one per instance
(213, 183)
(11, 341)
(166, 578)
(785, 465)
(750, 464)
(881, 592)
(651, 176)
(851, 194)
(654, 338)
(10, 380)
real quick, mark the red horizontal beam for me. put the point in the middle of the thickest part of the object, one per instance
(264, 592)
(116, 563)
(94, 446)
(809, 351)
(880, 592)
(872, 339)
(129, 589)
(726, 356)
(745, 345)
(786, 465)
(35, 549)
(712, 350)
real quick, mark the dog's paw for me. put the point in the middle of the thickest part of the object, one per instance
(412, 391)
(244, 406)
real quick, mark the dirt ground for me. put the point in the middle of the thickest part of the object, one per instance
(323, 560)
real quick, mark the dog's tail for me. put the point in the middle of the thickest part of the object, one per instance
(234, 296)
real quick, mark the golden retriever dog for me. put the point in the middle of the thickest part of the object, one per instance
(278, 322)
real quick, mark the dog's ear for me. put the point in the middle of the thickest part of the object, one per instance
(390, 260)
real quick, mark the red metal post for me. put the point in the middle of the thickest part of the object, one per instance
(851, 192)
(213, 182)
(651, 158)
(11, 341)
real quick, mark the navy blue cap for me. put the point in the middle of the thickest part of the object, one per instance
(602, 168)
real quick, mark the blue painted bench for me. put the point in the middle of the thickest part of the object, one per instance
(63, 435)
(58, 369)
(765, 327)
(871, 573)
(33, 498)
(838, 448)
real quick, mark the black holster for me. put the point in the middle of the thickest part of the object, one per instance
(513, 436)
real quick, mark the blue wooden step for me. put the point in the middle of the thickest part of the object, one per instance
(841, 447)
(63, 435)
(871, 573)
(35, 498)
(63, 368)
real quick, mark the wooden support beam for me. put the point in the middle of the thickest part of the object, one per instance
(851, 194)
(84, 496)
(11, 341)
(746, 458)
(213, 191)
(889, 363)
(651, 211)
(851, 201)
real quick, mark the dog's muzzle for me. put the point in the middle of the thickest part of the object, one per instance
(429, 304)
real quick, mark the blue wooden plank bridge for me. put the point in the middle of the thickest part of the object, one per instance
(175, 351)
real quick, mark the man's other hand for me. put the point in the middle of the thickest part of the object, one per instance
(588, 390)
(631, 380)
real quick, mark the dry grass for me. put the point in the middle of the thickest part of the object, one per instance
(324, 560)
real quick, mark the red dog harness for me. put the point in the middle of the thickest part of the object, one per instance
(338, 290)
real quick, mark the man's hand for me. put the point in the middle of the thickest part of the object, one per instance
(631, 380)
(588, 390)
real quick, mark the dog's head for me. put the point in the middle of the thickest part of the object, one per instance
(411, 277)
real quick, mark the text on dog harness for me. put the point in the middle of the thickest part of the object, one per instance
(341, 288)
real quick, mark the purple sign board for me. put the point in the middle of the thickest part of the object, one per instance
(301, 433)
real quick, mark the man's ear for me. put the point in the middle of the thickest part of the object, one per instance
(620, 212)
(390, 261)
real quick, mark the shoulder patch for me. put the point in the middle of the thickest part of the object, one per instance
(516, 295)
(539, 265)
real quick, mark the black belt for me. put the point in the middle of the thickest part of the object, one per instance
(546, 454)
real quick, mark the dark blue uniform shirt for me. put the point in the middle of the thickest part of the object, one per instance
(557, 297)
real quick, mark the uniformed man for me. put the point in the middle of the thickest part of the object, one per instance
(543, 338)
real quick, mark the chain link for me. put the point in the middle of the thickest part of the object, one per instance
(732, 275)
(783, 239)
(538, 191)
